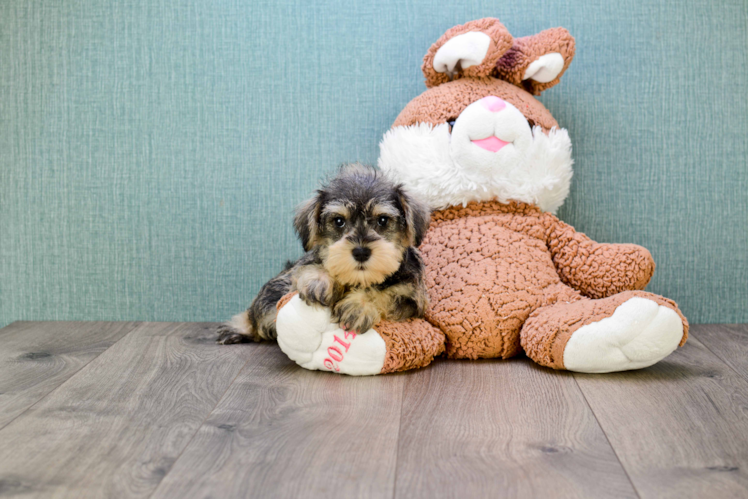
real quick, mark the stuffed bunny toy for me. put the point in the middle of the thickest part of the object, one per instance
(504, 275)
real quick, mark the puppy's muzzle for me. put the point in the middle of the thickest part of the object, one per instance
(361, 254)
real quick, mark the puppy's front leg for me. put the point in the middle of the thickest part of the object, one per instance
(356, 311)
(315, 286)
(406, 300)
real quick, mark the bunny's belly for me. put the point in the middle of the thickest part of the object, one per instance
(484, 280)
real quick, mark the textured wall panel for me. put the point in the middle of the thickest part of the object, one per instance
(152, 151)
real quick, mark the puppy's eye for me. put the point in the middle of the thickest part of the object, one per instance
(339, 221)
(451, 124)
(382, 220)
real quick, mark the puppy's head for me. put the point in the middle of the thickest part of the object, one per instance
(361, 224)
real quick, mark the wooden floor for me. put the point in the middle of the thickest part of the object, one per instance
(160, 410)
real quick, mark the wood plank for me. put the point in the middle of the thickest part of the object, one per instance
(495, 428)
(36, 357)
(728, 342)
(680, 427)
(282, 431)
(115, 428)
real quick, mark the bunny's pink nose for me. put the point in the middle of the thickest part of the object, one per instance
(493, 103)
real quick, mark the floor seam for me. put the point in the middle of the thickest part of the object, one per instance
(187, 445)
(136, 325)
(397, 440)
(600, 425)
(723, 360)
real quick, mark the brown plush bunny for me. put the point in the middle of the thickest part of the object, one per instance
(504, 274)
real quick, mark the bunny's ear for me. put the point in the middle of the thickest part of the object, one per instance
(471, 49)
(536, 63)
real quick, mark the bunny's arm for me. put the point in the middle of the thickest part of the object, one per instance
(597, 270)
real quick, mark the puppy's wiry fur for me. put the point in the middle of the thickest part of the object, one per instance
(360, 233)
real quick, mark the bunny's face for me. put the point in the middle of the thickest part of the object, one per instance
(480, 138)
(490, 135)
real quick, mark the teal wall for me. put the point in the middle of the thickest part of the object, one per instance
(152, 151)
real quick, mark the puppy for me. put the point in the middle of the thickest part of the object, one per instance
(360, 233)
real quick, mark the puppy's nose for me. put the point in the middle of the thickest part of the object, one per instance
(493, 103)
(361, 254)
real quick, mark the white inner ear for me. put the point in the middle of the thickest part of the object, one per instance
(469, 49)
(545, 68)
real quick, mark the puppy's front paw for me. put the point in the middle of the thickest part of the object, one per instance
(315, 286)
(404, 308)
(355, 314)
(316, 292)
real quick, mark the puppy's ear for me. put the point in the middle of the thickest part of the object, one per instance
(306, 221)
(417, 217)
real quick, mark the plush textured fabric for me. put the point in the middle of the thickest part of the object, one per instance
(152, 151)
(432, 174)
(490, 266)
(512, 66)
(447, 101)
(501, 41)
(497, 287)
(312, 340)
(548, 329)
(406, 351)
(496, 260)
(598, 270)
(506, 58)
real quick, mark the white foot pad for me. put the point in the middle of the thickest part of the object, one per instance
(638, 334)
(308, 336)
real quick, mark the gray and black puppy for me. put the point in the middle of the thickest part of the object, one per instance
(360, 232)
